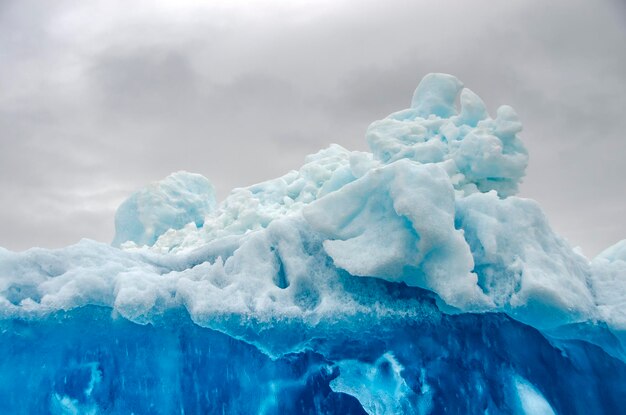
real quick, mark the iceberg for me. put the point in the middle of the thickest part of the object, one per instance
(409, 279)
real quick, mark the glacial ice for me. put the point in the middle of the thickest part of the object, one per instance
(179, 199)
(406, 280)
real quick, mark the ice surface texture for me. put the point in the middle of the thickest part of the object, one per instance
(406, 280)
(177, 200)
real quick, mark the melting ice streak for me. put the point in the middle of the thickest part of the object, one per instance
(406, 280)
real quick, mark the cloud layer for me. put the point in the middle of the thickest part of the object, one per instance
(98, 99)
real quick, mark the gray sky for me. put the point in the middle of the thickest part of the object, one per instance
(99, 98)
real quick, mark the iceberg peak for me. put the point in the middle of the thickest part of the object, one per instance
(179, 199)
(478, 152)
(436, 94)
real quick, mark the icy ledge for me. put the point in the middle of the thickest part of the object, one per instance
(432, 206)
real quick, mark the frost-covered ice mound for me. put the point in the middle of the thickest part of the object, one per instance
(406, 280)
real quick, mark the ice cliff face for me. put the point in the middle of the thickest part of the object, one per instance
(376, 282)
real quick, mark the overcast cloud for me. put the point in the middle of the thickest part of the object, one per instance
(99, 98)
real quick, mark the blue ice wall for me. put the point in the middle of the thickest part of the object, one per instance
(90, 361)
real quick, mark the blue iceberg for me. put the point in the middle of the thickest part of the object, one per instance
(409, 279)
